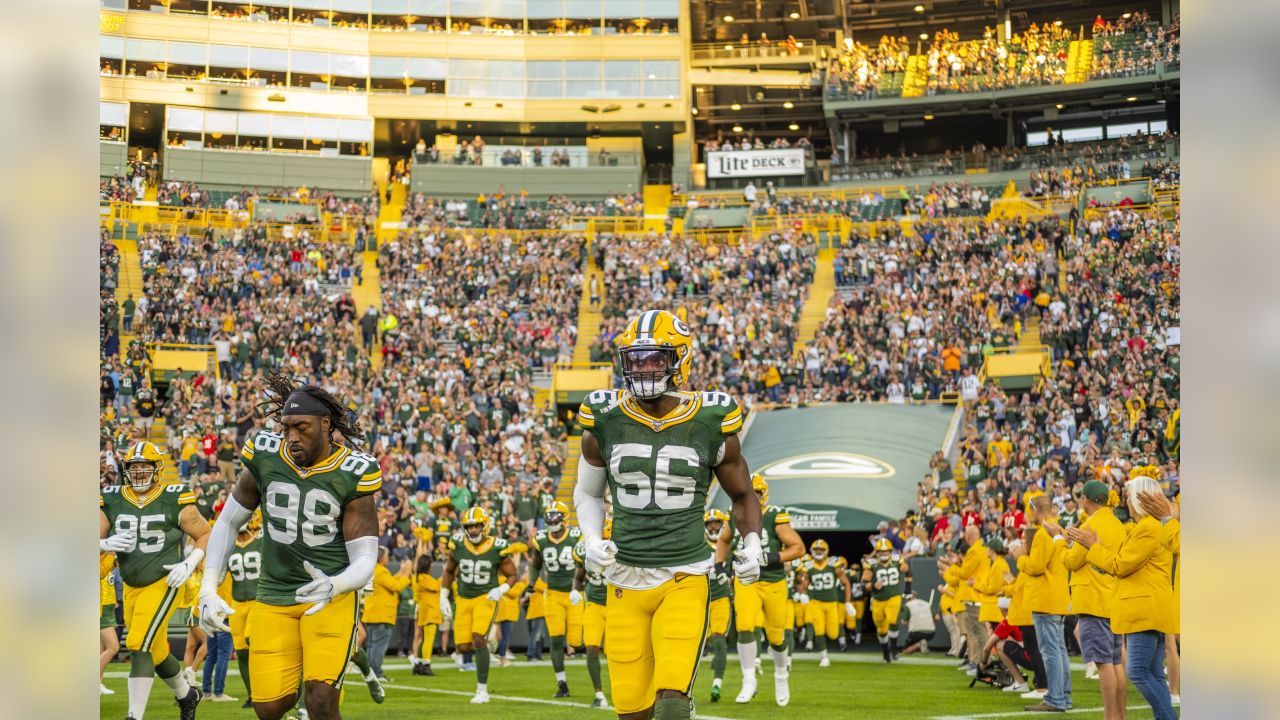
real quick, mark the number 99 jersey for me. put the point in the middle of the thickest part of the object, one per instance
(659, 471)
(302, 511)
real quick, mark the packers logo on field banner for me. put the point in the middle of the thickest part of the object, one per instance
(827, 464)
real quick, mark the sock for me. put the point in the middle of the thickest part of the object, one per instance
(672, 709)
(884, 645)
(557, 654)
(893, 641)
(760, 643)
(747, 657)
(593, 669)
(468, 657)
(482, 664)
(779, 659)
(715, 682)
(361, 659)
(170, 671)
(820, 644)
(139, 691)
(789, 638)
(302, 695)
(482, 687)
(823, 654)
(242, 661)
(719, 655)
(809, 635)
(560, 676)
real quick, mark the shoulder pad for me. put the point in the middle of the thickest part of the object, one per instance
(596, 404)
(262, 441)
(726, 410)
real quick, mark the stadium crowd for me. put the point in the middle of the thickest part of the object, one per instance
(515, 211)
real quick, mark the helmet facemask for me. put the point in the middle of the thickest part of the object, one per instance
(648, 371)
(142, 475)
(474, 531)
(819, 552)
(555, 521)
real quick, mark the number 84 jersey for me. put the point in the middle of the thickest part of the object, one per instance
(659, 471)
(302, 511)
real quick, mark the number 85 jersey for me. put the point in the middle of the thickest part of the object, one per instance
(302, 511)
(659, 471)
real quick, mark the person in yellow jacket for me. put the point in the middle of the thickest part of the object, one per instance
(380, 609)
(988, 590)
(972, 571)
(1143, 610)
(536, 616)
(1049, 601)
(108, 641)
(1092, 595)
(1019, 616)
(426, 595)
(948, 605)
(1169, 513)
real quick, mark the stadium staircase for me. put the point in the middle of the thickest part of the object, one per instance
(130, 281)
(814, 312)
(569, 474)
(657, 202)
(917, 76)
(1079, 61)
(589, 315)
(369, 293)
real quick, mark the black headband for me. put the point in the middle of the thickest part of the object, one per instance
(302, 403)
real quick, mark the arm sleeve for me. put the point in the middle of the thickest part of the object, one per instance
(588, 497)
(362, 554)
(1133, 553)
(221, 538)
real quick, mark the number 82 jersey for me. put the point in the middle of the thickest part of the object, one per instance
(302, 511)
(659, 471)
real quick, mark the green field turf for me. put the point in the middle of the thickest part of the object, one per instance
(857, 685)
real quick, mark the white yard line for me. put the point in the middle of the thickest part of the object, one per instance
(1022, 713)
(519, 699)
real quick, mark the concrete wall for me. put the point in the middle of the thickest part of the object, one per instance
(239, 169)
(113, 159)
(447, 180)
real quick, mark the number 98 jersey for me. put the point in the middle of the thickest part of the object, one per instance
(302, 511)
(659, 471)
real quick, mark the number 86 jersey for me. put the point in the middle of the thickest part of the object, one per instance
(659, 471)
(302, 511)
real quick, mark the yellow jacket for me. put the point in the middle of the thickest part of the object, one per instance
(1174, 532)
(974, 566)
(989, 590)
(1092, 591)
(949, 603)
(1046, 589)
(509, 605)
(382, 604)
(1144, 584)
(1018, 613)
(106, 591)
(426, 595)
(537, 601)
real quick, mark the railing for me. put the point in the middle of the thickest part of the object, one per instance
(802, 51)
(170, 220)
(505, 156)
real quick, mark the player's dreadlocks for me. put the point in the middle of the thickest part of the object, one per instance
(278, 388)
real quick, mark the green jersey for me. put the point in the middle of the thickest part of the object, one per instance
(244, 562)
(822, 579)
(773, 517)
(557, 557)
(659, 471)
(597, 590)
(302, 511)
(154, 526)
(893, 575)
(719, 581)
(477, 564)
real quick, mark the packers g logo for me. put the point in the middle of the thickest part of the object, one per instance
(827, 464)
(679, 326)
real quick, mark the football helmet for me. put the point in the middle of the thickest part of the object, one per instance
(555, 516)
(655, 353)
(716, 518)
(137, 457)
(884, 551)
(475, 521)
(819, 550)
(762, 489)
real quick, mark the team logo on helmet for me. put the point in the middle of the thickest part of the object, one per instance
(655, 354)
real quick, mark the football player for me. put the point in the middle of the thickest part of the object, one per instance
(552, 549)
(594, 616)
(245, 566)
(320, 546)
(476, 559)
(890, 579)
(816, 589)
(143, 522)
(654, 449)
(764, 604)
(718, 622)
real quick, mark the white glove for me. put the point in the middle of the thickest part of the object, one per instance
(120, 542)
(802, 598)
(213, 611)
(496, 594)
(850, 610)
(575, 597)
(446, 608)
(600, 554)
(748, 559)
(180, 571)
(319, 591)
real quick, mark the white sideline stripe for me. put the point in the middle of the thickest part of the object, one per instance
(1022, 713)
(519, 699)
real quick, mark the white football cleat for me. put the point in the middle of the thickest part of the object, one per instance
(781, 689)
(748, 689)
(104, 690)
(824, 662)
(481, 697)
(759, 667)
(1016, 687)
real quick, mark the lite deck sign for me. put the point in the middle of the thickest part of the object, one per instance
(755, 163)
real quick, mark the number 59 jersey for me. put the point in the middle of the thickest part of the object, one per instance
(302, 511)
(659, 471)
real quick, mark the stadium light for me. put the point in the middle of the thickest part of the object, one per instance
(848, 44)
(793, 126)
(1127, 15)
(919, 8)
(795, 16)
(737, 128)
(1059, 106)
(1131, 98)
(1057, 23)
(728, 18)
(735, 106)
(928, 116)
(728, 48)
(694, 111)
(924, 36)
(788, 104)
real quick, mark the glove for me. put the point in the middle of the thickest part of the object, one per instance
(850, 610)
(120, 542)
(496, 594)
(319, 591)
(575, 597)
(747, 559)
(600, 554)
(180, 571)
(213, 611)
(803, 598)
(446, 608)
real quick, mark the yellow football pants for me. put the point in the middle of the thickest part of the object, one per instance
(885, 613)
(563, 617)
(762, 604)
(719, 617)
(288, 646)
(241, 622)
(147, 610)
(654, 640)
(593, 625)
(825, 618)
(473, 616)
(860, 609)
(797, 609)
